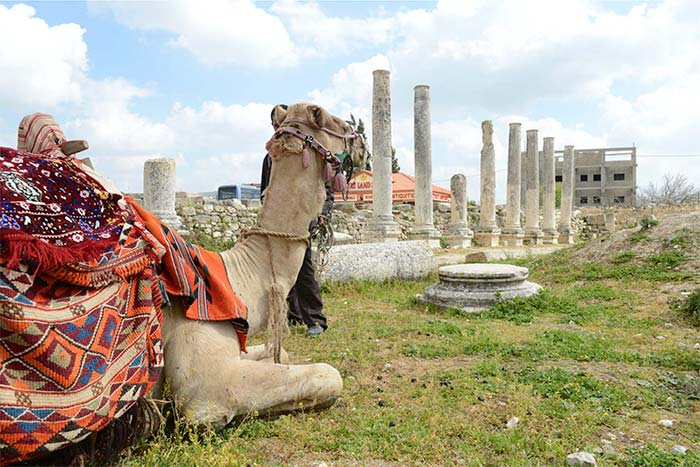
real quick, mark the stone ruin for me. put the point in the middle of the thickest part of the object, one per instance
(476, 286)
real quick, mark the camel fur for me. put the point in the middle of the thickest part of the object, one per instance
(209, 377)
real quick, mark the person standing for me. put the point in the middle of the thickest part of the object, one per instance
(305, 302)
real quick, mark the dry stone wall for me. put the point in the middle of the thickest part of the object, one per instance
(218, 223)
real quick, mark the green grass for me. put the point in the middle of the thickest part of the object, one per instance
(575, 362)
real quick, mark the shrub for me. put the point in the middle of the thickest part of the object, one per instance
(624, 257)
(691, 306)
(668, 259)
(648, 222)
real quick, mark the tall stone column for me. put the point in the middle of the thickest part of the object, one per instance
(533, 233)
(423, 228)
(512, 230)
(159, 191)
(382, 227)
(458, 234)
(549, 227)
(567, 196)
(487, 233)
(523, 181)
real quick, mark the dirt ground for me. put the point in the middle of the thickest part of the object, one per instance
(674, 232)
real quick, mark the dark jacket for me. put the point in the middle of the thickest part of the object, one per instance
(326, 211)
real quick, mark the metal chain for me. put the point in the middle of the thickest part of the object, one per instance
(323, 235)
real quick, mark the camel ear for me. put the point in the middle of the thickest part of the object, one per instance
(317, 116)
(278, 116)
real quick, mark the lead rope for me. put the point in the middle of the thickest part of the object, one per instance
(276, 301)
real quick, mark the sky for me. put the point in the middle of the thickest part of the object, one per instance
(196, 81)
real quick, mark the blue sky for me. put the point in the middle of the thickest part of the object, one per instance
(196, 80)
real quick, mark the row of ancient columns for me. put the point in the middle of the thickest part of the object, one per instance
(384, 228)
(534, 232)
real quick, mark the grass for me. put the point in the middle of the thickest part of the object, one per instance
(578, 363)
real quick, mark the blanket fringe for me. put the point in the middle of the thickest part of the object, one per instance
(17, 246)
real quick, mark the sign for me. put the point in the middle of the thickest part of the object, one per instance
(402, 188)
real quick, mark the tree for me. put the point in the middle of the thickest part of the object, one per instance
(359, 127)
(394, 162)
(674, 189)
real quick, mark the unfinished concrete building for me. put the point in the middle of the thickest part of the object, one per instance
(605, 177)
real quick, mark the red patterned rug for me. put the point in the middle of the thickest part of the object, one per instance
(52, 212)
(75, 357)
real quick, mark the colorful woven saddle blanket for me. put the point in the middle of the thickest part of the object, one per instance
(74, 357)
(52, 212)
(80, 339)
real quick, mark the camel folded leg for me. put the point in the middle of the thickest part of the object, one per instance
(258, 353)
(213, 383)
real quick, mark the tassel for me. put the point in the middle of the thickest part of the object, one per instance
(305, 158)
(339, 183)
(327, 172)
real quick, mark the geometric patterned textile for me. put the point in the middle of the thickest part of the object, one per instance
(52, 212)
(72, 358)
(197, 275)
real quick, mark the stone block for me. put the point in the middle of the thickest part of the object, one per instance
(379, 261)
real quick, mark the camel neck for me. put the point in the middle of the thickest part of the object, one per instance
(249, 267)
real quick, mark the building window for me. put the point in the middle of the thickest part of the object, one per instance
(558, 178)
(596, 177)
(584, 178)
(596, 200)
(583, 200)
(618, 199)
(618, 177)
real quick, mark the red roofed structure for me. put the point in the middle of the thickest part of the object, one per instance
(403, 189)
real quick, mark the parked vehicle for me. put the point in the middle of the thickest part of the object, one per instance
(237, 192)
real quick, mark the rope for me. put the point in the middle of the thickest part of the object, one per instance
(277, 305)
(257, 230)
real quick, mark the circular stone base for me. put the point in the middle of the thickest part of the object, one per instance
(475, 287)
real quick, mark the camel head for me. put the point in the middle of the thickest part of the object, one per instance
(309, 148)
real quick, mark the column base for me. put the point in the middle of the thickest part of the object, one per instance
(489, 238)
(550, 237)
(512, 237)
(460, 237)
(566, 238)
(380, 230)
(426, 234)
(533, 237)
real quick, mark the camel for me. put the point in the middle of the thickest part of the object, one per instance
(208, 376)
(213, 381)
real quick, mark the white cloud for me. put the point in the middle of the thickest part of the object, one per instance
(217, 31)
(213, 144)
(351, 88)
(319, 34)
(41, 65)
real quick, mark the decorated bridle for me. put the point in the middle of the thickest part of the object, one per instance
(338, 167)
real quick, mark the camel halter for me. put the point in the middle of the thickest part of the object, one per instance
(341, 162)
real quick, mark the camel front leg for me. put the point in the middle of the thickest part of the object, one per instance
(258, 353)
(246, 387)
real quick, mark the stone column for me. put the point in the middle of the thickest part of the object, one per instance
(523, 182)
(533, 233)
(549, 227)
(423, 228)
(487, 233)
(458, 234)
(567, 196)
(382, 226)
(159, 191)
(512, 231)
